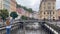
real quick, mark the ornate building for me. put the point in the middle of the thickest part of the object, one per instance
(48, 10)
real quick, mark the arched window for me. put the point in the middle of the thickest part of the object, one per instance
(44, 12)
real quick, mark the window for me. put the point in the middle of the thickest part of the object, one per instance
(53, 7)
(49, 3)
(44, 7)
(53, 17)
(50, 12)
(53, 12)
(41, 12)
(6, 6)
(47, 12)
(7, 2)
(49, 7)
(44, 12)
(44, 3)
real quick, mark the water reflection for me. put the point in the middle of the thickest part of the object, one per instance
(30, 31)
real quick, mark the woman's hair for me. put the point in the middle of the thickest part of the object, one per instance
(7, 22)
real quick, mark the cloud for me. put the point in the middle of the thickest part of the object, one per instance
(34, 4)
(57, 4)
(24, 2)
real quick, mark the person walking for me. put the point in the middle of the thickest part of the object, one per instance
(8, 26)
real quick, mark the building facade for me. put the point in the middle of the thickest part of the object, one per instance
(58, 14)
(48, 10)
(5, 4)
(19, 12)
(35, 15)
(13, 5)
(10, 5)
(23, 12)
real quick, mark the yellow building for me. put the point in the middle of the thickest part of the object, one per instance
(48, 9)
(13, 5)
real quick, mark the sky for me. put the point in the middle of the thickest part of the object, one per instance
(34, 4)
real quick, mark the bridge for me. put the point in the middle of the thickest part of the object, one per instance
(17, 23)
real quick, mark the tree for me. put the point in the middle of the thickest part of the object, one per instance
(25, 8)
(4, 14)
(18, 6)
(30, 10)
(14, 15)
(24, 17)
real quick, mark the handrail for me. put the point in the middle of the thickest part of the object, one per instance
(4, 27)
(55, 32)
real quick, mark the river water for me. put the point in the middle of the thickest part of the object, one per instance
(21, 31)
(29, 32)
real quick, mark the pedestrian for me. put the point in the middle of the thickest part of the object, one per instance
(8, 27)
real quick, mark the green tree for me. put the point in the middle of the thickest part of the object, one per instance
(23, 17)
(25, 8)
(4, 14)
(18, 6)
(30, 10)
(14, 15)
